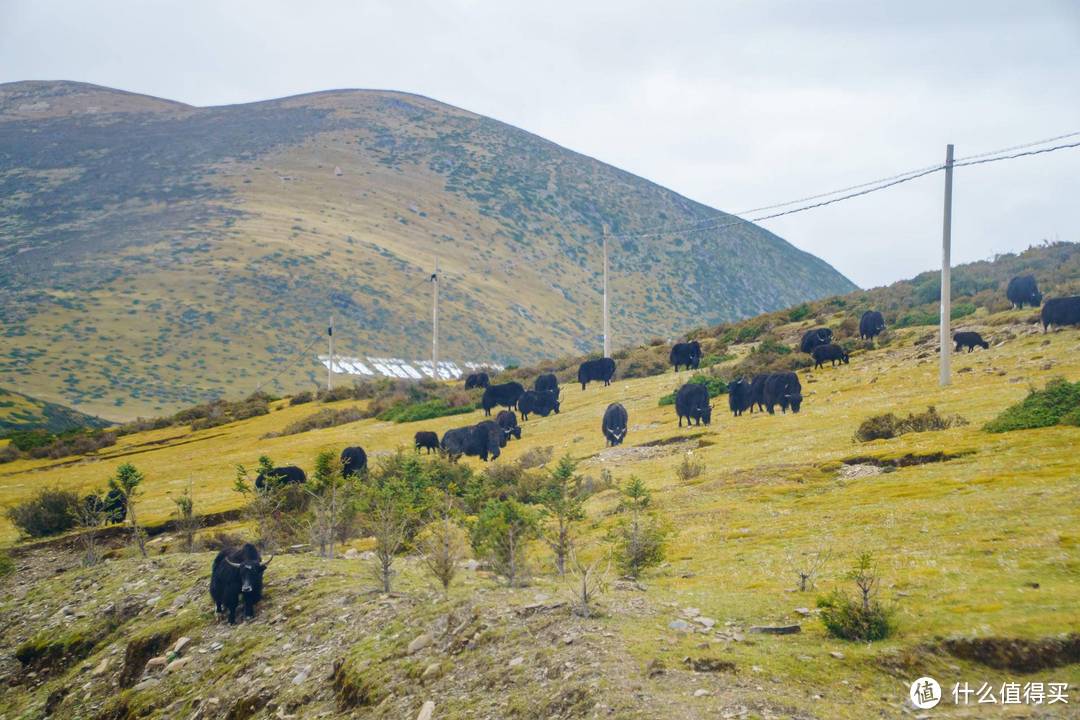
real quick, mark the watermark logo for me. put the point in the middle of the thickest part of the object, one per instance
(925, 693)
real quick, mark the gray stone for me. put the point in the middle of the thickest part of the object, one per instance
(419, 643)
(680, 626)
(517, 661)
(427, 711)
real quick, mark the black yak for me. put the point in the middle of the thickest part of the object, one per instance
(542, 403)
(757, 392)
(692, 403)
(482, 440)
(1023, 290)
(970, 340)
(507, 420)
(547, 382)
(1061, 311)
(871, 325)
(237, 573)
(783, 389)
(688, 354)
(353, 461)
(602, 369)
(739, 396)
(812, 338)
(427, 440)
(284, 475)
(614, 424)
(506, 395)
(830, 352)
(477, 380)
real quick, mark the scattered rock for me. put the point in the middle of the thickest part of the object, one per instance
(802, 611)
(776, 629)
(177, 664)
(352, 554)
(470, 564)
(155, 663)
(419, 643)
(707, 622)
(431, 671)
(301, 677)
(837, 654)
(680, 626)
(180, 644)
(426, 711)
(147, 683)
(101, 668)
(708, 664)
(517, 661)
(701, 692)
(655, 668)
(691, 612)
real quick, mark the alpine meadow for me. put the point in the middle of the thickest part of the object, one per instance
(435, 403)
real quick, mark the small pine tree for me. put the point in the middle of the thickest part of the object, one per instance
(127, 481)
(641, 537)
(187, 522)
(332, 503)
(441, 545)
(501, 533)
(385, 516)
(564, 506)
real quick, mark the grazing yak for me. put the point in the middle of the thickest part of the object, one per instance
(353, 461)
(506, 395)
(482, 440)
(507, 420)
(427, 440)
(477, 380)
(1023, 290)
(284, 475)
(1061, 311)
(237, 573)
(547, 382)
(688, 354)
(783, 389)
(614, 424)
(602, 370)
(970, 340)
(830, 352)
(757, 392)
(871, 325)
(692, 403)
(542, 403)
(739, 396)
(812, 338)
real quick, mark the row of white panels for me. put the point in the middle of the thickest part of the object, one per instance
(404, 369)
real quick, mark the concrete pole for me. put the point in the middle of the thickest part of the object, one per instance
(607, 325)
(946, 272)
(435, 321)
(330, 366)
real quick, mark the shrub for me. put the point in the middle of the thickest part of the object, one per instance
(7, 565)
(1058, 402)
(536, 457)
(49, 512)
(424, 411)
(960, 310)
(883, 427)
(327, 417)
(862, 618)
(846, 619)
(715, 359)
(301, 398)
(772, 345)
(501, 533)
(799, 313)
(640, 539)
(916, 317)
(689, 468)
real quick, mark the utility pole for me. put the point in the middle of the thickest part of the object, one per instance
(946, 271)
(330, 365)
(435, 321)
(607, 326)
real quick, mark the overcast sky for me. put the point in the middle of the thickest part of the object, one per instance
(734, 104)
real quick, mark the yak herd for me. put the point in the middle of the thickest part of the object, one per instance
(237, 572)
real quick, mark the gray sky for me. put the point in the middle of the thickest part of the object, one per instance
(735, 104)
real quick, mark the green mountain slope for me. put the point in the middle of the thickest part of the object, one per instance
(22, 412)
(154, 254)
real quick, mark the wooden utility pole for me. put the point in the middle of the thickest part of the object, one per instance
(607, 326)
(435, 321)
(330, 365)
(946, 272)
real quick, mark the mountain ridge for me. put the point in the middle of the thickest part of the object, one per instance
(156, 259)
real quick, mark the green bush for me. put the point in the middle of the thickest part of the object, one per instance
(799, 313)
(1057, 403)
(424, 411)
(772, 345)
(302, 397)
(883, 427)
(960, 310)
(49, 512)
(847, 619)
(916, 317)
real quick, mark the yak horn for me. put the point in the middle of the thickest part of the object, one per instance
(234, 564)
(268, 561)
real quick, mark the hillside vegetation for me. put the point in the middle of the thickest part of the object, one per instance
(973, 535)
(156, 255)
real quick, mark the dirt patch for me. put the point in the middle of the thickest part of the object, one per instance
(1016, 654)
(850, 472)
(644, 451)
(906, 460)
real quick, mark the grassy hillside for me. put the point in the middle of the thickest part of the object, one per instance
(975, 536)
(22, 412)
(155, 255)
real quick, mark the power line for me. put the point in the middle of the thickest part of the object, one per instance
(1018, 155)
(718, 221)
(300, 356)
